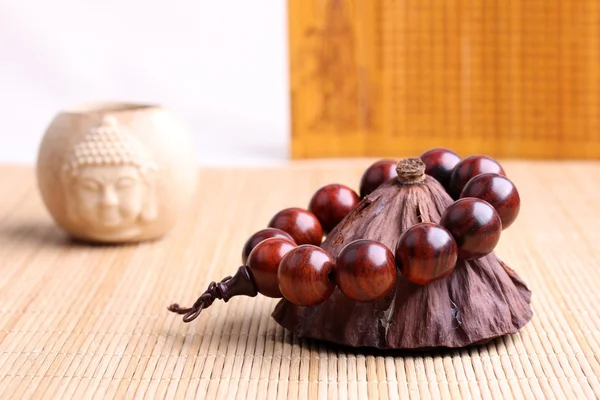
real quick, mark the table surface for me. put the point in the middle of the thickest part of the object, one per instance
(80, 321)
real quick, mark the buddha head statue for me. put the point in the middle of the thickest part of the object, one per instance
(109, 182)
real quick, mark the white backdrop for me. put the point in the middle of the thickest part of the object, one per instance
(220, 64)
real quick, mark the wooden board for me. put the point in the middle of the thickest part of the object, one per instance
(90, 322)
(397, 77)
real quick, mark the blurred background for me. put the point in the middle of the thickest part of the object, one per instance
(221, 65)
(262, 81)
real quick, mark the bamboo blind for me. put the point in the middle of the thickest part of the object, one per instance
(508, 78)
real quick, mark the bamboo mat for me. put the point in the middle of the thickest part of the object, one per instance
(88, 322)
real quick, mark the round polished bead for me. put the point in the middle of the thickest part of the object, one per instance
(302, 225)
(475, 225)
(306, 276)
(263, 262)
(469, 168)
(499, 191)
(332, 203)
(365, 270)
(378, 173)
(426, 252)
(439, 164)
(259, 237)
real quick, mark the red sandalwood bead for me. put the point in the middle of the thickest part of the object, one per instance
(439, 164)
(302, 225)
(259, 237)
(365, 270)
(475, 225)
(263, 262)
(331, 204)
(499, 191)
(378, 173)
(469, 168)
(425, 253)
(306, 275)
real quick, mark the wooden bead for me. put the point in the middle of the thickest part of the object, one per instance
(263, 262)
(378, 173)
(425, 253)
(475, 225)
(439, 164)
(499, 191)
(469, 168)
(306, 275)
(365, 270)
(302, 225)
(259, 237)
(332, 203)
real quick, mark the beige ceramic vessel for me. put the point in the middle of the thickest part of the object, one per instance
(116, 172)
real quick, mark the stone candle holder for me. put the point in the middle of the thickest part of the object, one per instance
(116, 172)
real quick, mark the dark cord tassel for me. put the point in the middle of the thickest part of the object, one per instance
(241, 284)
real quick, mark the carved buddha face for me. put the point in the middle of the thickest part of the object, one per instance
(109, 184)
(109, 197)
